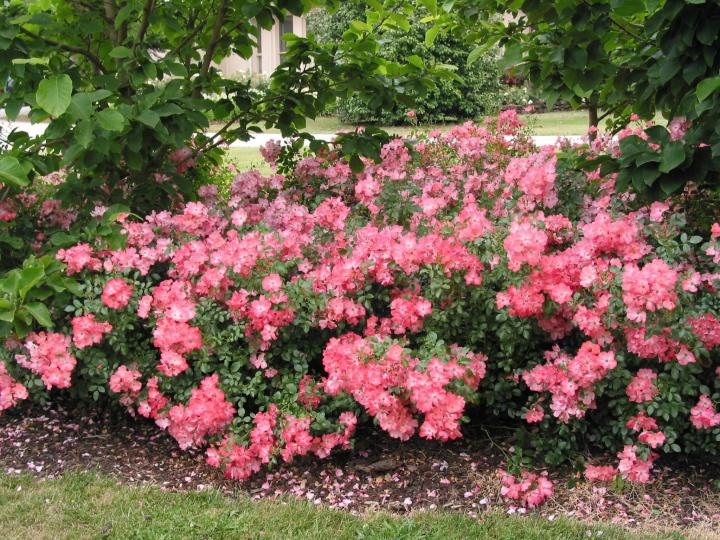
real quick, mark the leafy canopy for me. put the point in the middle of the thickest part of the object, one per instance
(123, 84)
(637, 56)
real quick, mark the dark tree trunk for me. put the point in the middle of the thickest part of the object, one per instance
(592, 122)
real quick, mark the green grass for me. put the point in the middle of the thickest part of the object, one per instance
(550, 123)
(559, 123)
(83, 505)
(248, 158)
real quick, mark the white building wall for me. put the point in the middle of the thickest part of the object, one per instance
(267, 58)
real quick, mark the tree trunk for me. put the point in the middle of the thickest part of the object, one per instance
(592, 122)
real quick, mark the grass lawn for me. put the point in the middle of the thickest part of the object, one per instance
(551, 123)
(87, 506)
(248, 158)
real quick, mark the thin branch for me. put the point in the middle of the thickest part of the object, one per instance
(187, 39)
(214, 39)
(70, 48)
(111, 12)
(145, 24)
(620, 26)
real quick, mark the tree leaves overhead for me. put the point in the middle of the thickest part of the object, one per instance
(129, 82)
(623, 57)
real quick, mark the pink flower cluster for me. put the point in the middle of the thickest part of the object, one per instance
(642, 387)
(633, 467)
(703, 415)
(116, 293)
(205, 414)
(530, 490)
(379, 381)
(126, 382)
(49, 357)
(571, 381)
(525, 244)
(649, 289)
(87, 331)
(78, 258)
(287, 436)
(11, 391)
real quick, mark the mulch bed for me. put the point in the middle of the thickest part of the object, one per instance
(381, 474)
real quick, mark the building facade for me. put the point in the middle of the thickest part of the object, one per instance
(267, 55)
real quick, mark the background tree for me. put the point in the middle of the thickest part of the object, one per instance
(621, 57)
(129, 88)
(475, 91)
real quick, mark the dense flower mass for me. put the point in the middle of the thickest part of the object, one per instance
(117, 293)
(87, 331)
(529, 490)
(49, 357)
(11, 391)
(465, 275)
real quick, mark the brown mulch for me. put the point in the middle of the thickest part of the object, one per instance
(381, 474)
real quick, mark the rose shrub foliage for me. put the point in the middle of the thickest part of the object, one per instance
(466, 275)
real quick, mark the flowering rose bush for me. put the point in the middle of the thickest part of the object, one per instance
(464, 275)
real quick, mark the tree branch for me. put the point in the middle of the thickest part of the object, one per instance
(187, 39)
(70, 48)
(145, 24)
(214, 39)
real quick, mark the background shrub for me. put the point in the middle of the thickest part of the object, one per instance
(478, 93)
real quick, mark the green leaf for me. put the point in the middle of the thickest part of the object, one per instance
(81, 106)
(12, 108)
(112, 212)
(97, 95)
(40, 313)
(7, 315)
(10, 283)
(627, 8)
(111, 120)
(12, 241)
(475, 54)
(11, 171)
(416, 61)
(512, 56)
(673, 155)
(120, 52)
(53, 95)
(671, 184)
(29, 277)
(36, 61)
(177, 69)
(707, 87)
(431, 35)
(356, 164)
(149, 118)
(84, 133)
(168, 109)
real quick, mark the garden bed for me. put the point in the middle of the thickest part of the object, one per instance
(381, 474)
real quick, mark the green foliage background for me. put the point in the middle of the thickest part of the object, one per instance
(478, 90)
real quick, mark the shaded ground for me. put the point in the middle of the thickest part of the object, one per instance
(384, 474)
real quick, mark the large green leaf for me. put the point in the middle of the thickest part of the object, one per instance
(707, 87)
(29, 277)
(12, 172)
(40, 313)
(673, 155)
(111, 120)
(120, 52)
(54, 94)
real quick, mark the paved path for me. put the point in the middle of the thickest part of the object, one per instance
(257, 141)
